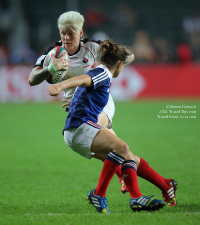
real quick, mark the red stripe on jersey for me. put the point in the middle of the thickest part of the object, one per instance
(86, 66)
(90, 52)
(96, 42)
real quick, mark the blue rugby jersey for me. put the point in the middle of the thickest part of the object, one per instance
(88, 102)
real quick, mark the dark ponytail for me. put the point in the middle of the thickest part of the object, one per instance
(110, 53)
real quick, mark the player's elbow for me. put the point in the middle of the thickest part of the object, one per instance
(31, 81)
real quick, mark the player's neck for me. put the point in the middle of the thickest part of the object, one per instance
(73, 51)
(112, 69)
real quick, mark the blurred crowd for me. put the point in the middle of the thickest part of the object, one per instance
(14, 34)
(15, 45)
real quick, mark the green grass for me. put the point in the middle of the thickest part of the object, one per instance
(43, 182)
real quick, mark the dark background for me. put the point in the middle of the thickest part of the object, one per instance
(164, 31)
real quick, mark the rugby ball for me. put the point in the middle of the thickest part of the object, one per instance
(58, 52)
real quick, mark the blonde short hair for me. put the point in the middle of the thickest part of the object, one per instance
(71, 19)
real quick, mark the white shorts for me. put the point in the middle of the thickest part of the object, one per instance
(109, 110)
(80, 139)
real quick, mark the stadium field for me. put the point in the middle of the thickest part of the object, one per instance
(43, 182)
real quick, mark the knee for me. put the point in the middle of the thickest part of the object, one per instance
(128, 155)
(124, 150)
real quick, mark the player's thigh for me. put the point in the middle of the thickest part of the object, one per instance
(103, 119)
(101, 157)
(105, 142)
(111, 131)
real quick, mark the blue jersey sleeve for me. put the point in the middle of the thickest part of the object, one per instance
(99, 77)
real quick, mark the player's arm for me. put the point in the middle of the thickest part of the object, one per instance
(83, 80)
(39, 74)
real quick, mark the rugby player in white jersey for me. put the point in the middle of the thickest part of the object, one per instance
(83, 57)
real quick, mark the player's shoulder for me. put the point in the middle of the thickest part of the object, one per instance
(99, 71)
(103, 70)
(90, 43)
(55, 44)
(40, 60)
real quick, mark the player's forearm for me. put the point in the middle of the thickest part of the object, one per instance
(83, 80)
(37, 76)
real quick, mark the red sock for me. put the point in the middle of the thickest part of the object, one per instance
(129, 171)
(146, 172)
(119, 172)
(111, 164)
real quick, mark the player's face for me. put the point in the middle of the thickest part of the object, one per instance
(70, 39)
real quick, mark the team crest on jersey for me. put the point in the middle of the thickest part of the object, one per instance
(85, 60)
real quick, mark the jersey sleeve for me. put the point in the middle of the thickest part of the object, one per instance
(99, 77)
(40, 60)
(93, 46)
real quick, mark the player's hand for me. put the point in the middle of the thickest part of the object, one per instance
(62, 63)
(54, 89)
(66, 104)
(129, 59)
(95, 64)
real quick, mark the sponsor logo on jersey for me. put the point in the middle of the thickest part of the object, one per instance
(75, 57)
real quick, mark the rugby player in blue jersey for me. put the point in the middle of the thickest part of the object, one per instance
(84, 136)
(83, 56)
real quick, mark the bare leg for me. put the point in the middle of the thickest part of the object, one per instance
(117, 151)
(103, 119)
(105, 142)
(144, 170)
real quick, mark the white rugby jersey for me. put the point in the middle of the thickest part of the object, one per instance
(80, 62)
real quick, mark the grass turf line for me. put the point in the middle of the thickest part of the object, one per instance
(44, 182)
